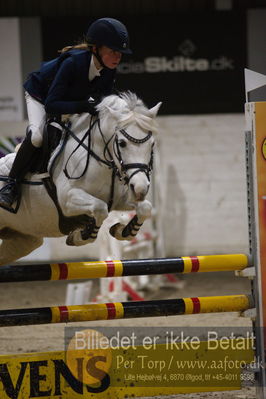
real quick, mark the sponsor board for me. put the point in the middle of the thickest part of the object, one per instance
(94, 366)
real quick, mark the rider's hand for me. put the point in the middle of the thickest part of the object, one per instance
(92, 106)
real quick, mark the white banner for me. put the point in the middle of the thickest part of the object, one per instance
(11, 90)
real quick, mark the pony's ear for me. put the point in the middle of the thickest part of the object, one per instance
(153, 111)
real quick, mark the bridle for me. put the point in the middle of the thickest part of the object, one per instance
(140, 167)
(118, 166)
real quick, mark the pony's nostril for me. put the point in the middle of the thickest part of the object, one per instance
(132, 187)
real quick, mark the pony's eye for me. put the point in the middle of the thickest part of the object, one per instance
(122, 143)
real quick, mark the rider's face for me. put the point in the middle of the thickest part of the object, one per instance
(110, 58)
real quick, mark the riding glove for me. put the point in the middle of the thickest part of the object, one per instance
(92, 106)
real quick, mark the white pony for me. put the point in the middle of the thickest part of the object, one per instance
(105, 165)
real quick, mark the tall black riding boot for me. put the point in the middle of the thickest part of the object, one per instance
(21, 165)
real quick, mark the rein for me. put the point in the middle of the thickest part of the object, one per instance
(121, 172)
(86, 147)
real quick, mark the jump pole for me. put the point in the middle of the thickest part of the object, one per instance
(125, 310)
(120, 268)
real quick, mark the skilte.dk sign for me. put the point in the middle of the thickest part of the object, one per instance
(193, 63)
(178, 63)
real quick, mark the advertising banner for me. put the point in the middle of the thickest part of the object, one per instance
(98, 366)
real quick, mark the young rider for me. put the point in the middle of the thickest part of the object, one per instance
(67, 85)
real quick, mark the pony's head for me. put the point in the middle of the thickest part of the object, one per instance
(132, 126)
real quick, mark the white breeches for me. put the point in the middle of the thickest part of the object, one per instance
(36, 116)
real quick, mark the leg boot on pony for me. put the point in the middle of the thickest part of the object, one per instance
(23, 161)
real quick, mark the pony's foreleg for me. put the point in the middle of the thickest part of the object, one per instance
(15, 245)
(84, 236)
(80, 202)
(129, 231)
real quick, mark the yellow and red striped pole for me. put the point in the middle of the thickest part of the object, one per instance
(125, 310)
(118, 268)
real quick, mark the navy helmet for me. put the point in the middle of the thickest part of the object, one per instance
(111, 33)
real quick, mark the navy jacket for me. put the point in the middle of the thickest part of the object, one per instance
(63, 85)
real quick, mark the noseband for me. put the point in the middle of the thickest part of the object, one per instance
(140, 167)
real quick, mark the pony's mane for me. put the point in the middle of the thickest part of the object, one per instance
(127, 108)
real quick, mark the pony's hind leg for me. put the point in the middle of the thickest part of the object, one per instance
(15, 245)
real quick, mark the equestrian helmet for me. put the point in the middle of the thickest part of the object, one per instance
(111, 33)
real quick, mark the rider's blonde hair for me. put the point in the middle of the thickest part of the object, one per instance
(84, 45)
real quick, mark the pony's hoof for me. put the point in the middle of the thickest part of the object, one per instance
(74, 239)
(70, 240)
(117, 232)
(113, 229)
